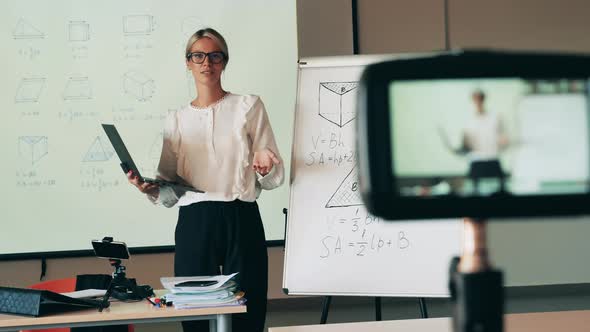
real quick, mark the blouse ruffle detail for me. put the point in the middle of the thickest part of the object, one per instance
(244, 151)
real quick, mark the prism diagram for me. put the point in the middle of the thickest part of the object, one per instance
(78, 31)
(98, 151)
(156, 149)
(29, 90)
(32, 148)
(347, 194)
(78, 88)
(138, 85)
(138, 24)
(25, 30)
(337, 102)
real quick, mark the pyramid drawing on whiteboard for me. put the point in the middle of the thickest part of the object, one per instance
(98, 151)
(347, 194)
(336, 102)
(25, 30)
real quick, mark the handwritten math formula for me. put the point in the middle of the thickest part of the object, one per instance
(330, 148)
(359, 234)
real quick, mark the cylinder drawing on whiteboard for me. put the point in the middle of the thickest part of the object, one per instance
(337, 101)
(29, 89)
(78, 31)
(78, 88)
(138, 25)
(347, 194)
(138, 85)
(33, 148)
(100, 150)
(25, 30)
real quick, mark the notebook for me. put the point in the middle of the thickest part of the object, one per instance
(127, 163)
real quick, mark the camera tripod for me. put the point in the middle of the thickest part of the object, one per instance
(122, 288)
(476, 287)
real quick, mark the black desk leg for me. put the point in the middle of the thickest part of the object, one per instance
(423, 311)
(378, 309)
(325, 309)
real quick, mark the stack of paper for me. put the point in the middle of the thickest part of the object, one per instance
(202, 291)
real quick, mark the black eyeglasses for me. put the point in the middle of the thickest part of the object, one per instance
(199, 57)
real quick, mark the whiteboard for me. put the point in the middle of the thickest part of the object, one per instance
(70, 65)
(333, 246)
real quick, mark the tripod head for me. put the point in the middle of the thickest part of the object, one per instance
(121, 287)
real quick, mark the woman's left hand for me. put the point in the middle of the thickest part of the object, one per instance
(264, 160)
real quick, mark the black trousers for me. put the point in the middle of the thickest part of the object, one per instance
(228, 234)
(479, 169)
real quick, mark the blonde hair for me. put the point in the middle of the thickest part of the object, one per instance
(211, 34)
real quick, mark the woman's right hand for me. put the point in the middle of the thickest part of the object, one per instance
(146, 188)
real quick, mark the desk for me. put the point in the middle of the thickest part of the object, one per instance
(571, 321)
(123, 313)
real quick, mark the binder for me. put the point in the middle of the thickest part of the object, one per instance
(33, 302)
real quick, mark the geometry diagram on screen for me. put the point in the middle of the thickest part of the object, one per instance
(137, 25)
(78, 31)
(347, 193)
(25, 30)
(138, 85)
(100, 150)
(29, 89)
(337, 101)
(78, 88)
(32, 148)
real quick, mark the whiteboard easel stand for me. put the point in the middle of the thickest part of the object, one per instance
(328, 300)
(475, 287)
(285, 231)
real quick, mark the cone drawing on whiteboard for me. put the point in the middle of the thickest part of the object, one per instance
(347, 194)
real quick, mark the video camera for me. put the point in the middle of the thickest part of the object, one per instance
(121, 287)
(107, 248)
(475, 134)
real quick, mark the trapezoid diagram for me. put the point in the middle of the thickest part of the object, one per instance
(29, 89)
(33, 148)
(138, 85)
(347, 194)
(25, 30)
(337, 101)
(100, 150)
(78, 88)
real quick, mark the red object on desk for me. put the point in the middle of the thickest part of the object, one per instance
(59, 286)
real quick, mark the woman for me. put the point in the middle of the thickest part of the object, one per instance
(221, 143)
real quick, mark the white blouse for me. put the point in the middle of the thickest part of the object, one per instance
(212, 149)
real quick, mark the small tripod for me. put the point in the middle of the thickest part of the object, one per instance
(476, 287)
(122, 288)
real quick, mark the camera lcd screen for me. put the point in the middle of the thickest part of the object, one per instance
(478, 137)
